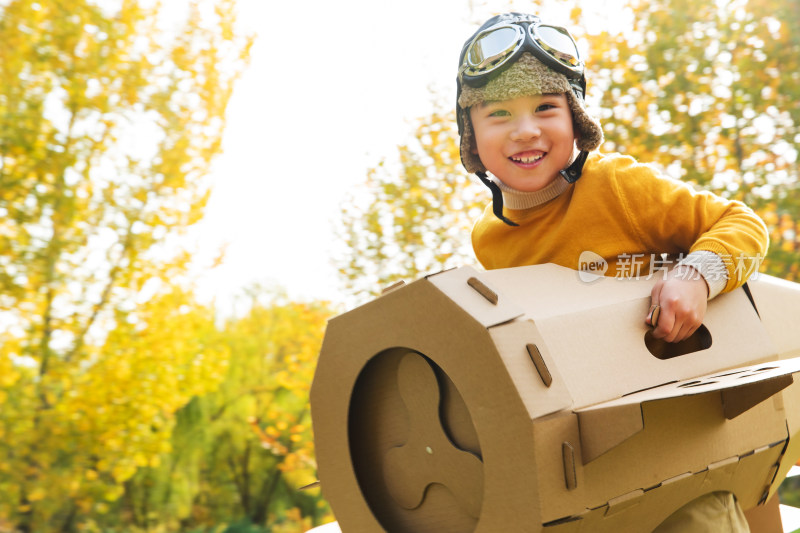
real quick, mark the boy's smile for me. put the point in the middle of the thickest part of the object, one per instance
(524, 141)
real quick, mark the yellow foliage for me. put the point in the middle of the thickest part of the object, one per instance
(141, 459)
(122, 472)
(37, 494)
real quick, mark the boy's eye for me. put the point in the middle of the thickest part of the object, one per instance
(499, 113)
(545, 107)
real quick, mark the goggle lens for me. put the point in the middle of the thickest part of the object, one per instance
(558, 41)
(491, 49)
(492, 44)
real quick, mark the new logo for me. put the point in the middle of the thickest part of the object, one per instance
(591, 266)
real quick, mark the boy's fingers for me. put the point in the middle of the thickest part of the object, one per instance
(672, 334)
(684, 333)
(665, 323)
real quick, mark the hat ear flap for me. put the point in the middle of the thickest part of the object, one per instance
(469, 152)
(588, 132)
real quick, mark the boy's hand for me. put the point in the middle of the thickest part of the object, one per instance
(682, 297)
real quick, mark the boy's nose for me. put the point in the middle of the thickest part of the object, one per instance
(526, 128)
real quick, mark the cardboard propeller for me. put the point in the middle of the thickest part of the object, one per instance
(429, 456)
(528, 400)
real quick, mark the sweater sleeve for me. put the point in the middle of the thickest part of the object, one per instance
(670, 216)
(711, 268)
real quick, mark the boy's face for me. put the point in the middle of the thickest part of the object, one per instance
(525, 141)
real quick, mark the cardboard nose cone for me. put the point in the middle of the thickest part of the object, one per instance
(526, 399)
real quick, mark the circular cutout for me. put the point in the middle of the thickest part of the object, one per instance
(413, 446)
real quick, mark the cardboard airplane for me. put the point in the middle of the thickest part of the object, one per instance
(527, 399)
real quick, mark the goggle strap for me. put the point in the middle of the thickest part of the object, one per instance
(497, 198)
(573, 172)
(579, 88)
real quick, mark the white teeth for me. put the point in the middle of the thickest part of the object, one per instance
(529, 159)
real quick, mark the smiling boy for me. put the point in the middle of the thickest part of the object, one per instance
(522, 118)
(556, 198)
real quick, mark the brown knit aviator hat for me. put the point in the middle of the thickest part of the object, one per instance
(513, 55)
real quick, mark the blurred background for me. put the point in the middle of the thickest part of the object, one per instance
(190, 190)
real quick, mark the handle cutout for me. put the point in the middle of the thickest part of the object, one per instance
(699, 340)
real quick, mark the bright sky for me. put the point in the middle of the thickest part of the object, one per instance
(332, 88)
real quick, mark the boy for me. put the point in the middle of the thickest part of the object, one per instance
(521, 116)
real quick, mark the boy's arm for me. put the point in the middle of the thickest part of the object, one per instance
(669, 216)
(726, 240)
(703, 274)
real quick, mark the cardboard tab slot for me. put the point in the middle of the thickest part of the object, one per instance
(624, 502)
(483, 290)
(465, 287)
(393, 286)
(540, 365)
(724, 462)
(674, 479)
(570, 476)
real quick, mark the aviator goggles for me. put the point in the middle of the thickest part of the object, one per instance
(497, 47)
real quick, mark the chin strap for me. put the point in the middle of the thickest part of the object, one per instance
(573, 172)
(497, 198)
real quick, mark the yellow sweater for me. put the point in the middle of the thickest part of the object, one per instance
(628, 214)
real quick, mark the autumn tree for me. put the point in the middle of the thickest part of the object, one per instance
(243, 452)
(109, 119)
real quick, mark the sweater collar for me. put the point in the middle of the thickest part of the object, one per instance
(514, 199)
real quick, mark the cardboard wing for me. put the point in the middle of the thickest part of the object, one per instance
(607, 424)
(528, 400)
